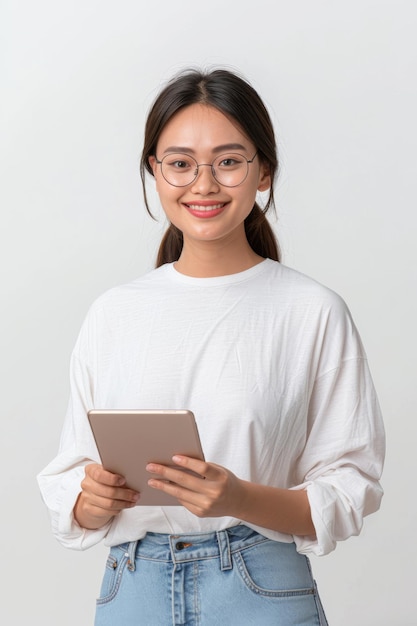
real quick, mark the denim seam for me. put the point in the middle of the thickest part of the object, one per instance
(121, 565)
(224, 550)
(268, 592)
(248, 546)
(319, 606)
(233, 550)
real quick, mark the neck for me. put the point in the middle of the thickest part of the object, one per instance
(215, 259)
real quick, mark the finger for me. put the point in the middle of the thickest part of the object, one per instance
(102, 490)
(202, 468)
(184, 494)
(97, 473)
(103, 509)
(191, 490)
(114, 504)
(181, 475)
(119, 495)
(110, 501)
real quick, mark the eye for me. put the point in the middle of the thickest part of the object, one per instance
(179, 162)
(230, 161)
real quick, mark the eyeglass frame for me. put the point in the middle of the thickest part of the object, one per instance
(198, 165)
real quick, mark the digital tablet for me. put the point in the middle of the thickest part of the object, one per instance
(129, 439)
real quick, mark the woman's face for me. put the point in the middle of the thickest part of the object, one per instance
(205, 210)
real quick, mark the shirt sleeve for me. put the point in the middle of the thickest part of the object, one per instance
(342, 461)
(60, 481)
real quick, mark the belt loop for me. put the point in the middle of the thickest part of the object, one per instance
(131, 553)
(224, 550)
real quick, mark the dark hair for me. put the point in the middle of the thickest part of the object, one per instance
(237, 99)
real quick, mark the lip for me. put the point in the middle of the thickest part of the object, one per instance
(206, 209)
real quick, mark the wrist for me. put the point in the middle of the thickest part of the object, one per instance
(243, 500)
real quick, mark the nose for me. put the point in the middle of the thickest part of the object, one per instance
(205, 181)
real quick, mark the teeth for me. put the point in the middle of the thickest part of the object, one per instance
(198, 207)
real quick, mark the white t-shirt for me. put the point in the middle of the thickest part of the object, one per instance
(272, 366)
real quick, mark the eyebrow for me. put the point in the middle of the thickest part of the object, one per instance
(218, 149)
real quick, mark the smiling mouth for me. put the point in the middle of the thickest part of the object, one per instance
(206, 208)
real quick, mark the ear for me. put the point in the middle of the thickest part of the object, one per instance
(264, 181)
(154, 165)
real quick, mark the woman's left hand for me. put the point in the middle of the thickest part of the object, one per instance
(214, 492)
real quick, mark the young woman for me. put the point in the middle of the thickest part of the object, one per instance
(269, 361)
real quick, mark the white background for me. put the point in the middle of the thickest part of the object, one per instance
(77, 79)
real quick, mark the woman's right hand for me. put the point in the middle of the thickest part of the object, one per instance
(103, 496)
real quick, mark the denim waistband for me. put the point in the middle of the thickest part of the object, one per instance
(186, 547)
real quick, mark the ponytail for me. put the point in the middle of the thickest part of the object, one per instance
(170, 247)
(258, 230)
(260, 235)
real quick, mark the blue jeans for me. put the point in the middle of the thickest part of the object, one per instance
(233, 577)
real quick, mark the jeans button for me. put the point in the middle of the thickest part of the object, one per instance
(180, 545)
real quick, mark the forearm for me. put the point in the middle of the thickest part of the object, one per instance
(222, 493)
(284, 510)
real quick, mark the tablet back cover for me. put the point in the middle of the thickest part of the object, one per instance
(127, 440)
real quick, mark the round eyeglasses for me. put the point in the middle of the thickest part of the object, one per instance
(229, 169)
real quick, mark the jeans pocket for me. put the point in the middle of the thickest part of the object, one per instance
(274, 569)
(115, 567)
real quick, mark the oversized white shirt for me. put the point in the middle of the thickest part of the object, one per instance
(270, 363)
